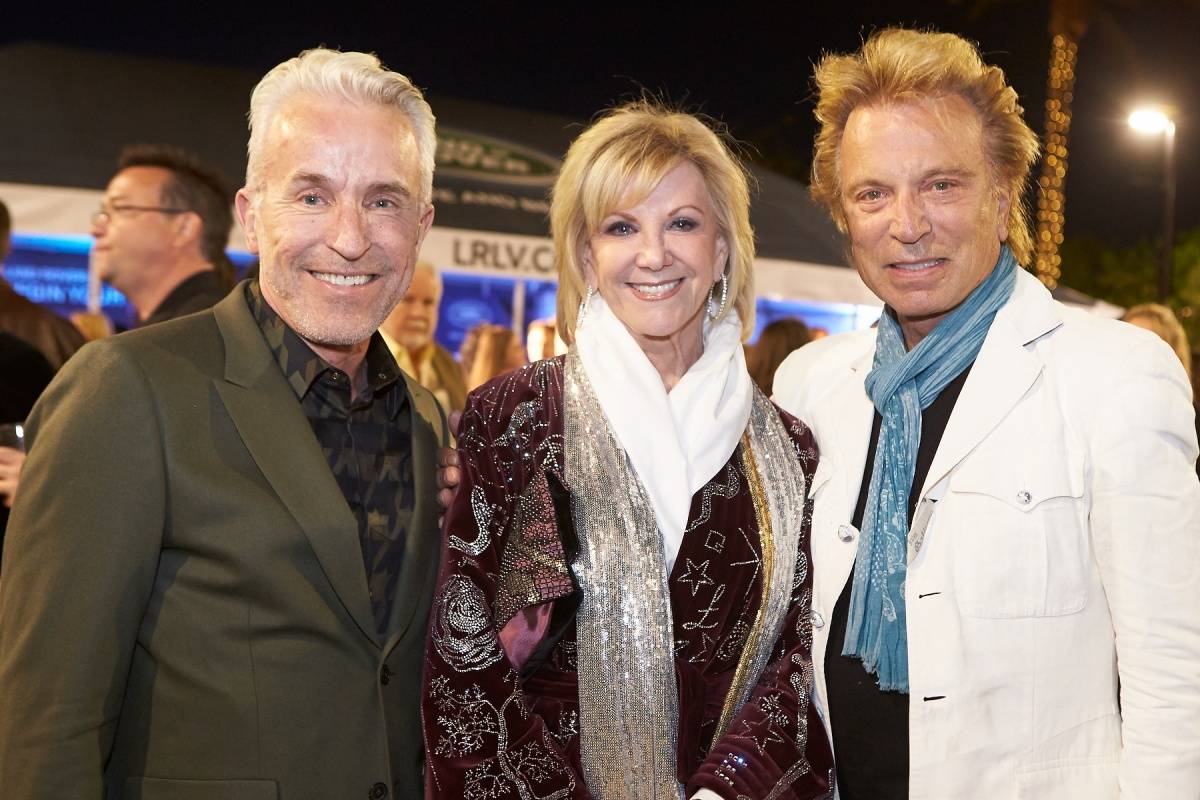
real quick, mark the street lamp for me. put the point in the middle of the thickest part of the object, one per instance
(1154, 121)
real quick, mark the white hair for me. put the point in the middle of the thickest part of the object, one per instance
(434, 272)
(357, 77)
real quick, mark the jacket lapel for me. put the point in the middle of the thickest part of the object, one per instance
(842, 424)
(424, 535)
(275, 431)
(1003, 372)
(849, 424)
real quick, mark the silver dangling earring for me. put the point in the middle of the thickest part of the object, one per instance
(724, 297)
(583, 304)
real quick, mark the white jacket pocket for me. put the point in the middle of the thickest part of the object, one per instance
(1017, 525)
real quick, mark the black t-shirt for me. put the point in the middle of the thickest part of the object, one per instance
(870, 726)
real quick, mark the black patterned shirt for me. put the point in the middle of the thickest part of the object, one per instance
(367, 441)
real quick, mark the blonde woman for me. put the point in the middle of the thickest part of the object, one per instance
(1160, 320)
(623, 608)
(489, 351)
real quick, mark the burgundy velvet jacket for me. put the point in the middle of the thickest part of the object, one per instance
(500, 704)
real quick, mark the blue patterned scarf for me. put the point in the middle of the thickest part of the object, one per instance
(902, 383)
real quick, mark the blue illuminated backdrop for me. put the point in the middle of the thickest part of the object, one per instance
(52, 270)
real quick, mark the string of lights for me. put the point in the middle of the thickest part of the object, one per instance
(1051, 204)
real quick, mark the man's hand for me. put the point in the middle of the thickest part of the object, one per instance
(10, 473)
(449, 473)
(449, 476)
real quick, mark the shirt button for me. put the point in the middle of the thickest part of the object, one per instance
(1023, 497)
(377, 792)
(846, 532)
(817, 620)
(385, 675)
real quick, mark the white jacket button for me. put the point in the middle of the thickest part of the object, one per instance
(817, 620)
(846, 532)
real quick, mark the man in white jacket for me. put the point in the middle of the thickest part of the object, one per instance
(1007, 528)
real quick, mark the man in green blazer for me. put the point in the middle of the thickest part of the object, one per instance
(218, 572)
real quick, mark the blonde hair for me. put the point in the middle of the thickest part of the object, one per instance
(900, 65)
(484, 353)
(618, 162)
(1162, 321)
(355, 77)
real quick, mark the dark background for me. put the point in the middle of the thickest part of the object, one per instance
(746, 66)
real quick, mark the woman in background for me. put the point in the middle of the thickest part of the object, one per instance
(487, 352)
(1161, 320)
(542, 340)
(775, 343)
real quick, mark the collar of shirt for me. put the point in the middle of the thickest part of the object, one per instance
(303, 368)
(194, 293)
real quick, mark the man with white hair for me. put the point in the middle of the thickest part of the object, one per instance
(409, 330)
(217, 574)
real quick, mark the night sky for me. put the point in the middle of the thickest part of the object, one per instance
(750, 69)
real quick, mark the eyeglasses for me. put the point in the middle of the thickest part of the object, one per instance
(107, 212)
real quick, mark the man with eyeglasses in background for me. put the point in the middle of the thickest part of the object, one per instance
(161, 232)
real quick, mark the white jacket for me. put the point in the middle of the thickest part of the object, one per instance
(1062, 552)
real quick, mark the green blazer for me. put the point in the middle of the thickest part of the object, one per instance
(183, 606)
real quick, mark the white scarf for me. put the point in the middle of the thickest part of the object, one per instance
(676, 442)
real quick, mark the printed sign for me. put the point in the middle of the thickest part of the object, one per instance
(471, 155)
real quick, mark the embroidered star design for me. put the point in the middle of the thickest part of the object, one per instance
(772, 708)
(696, 575)
(769, 734)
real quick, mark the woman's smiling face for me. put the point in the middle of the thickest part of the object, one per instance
(654, 263)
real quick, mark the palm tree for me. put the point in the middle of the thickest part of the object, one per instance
(1068, 23)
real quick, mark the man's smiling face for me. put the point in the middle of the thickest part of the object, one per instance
(923, 213)
(337, 217)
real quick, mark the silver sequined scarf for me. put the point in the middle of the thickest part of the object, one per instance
(628, 701)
